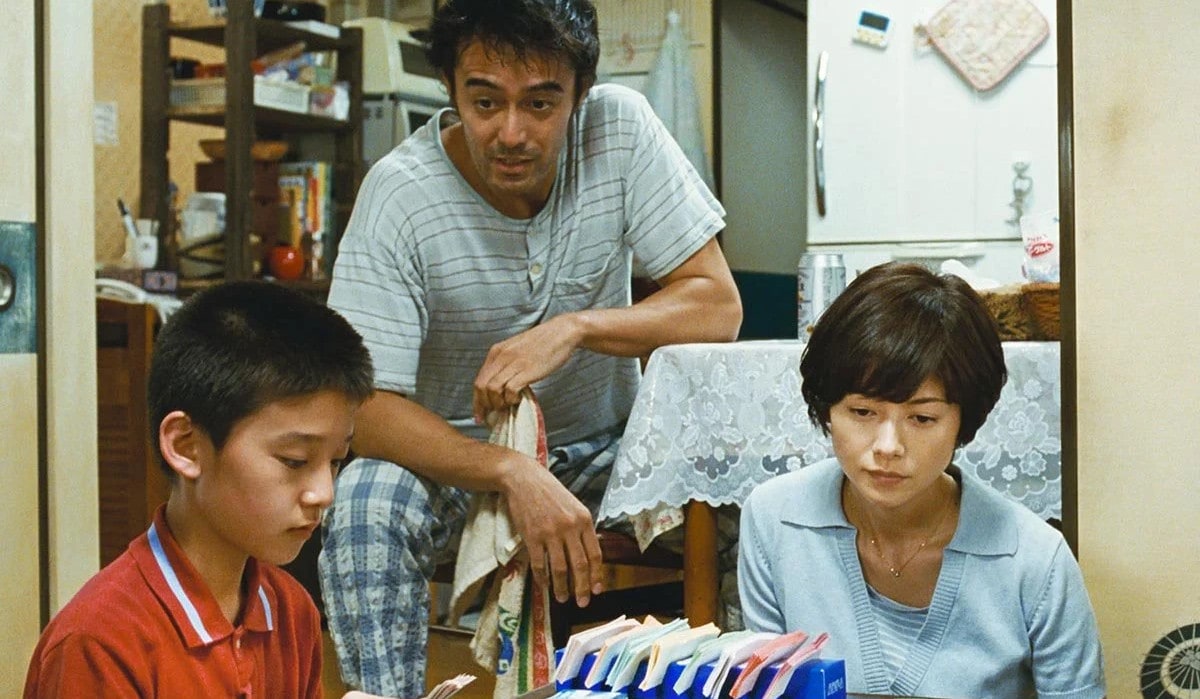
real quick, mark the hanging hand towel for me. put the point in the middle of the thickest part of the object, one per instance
(985, 40)
(513, 635)
(671, 91)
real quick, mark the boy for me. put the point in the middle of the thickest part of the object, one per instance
(253, 391)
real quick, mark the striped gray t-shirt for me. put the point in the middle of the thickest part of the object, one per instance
(433, 276)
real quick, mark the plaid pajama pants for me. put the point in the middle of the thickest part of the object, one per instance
(386, 532)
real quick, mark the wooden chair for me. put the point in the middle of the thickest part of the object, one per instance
(131, 484)
(657, 581)
(694, 593)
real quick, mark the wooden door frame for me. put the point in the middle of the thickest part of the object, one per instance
(1066, 208)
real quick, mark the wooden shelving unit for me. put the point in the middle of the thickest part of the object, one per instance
(244, 37)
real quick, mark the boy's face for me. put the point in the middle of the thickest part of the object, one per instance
(514, 115)
(264, 492)
(893, 452)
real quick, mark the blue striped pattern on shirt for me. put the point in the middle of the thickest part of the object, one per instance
(899, 626)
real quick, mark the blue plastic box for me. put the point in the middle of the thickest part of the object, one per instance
(820, 678)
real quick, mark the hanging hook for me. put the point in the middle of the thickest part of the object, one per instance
(1022, 185)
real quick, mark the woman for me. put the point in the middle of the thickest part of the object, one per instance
(928, 581)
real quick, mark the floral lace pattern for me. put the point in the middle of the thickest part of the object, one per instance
(711, 421)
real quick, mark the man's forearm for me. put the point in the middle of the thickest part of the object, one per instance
(393, 428)
(685, 312)
(698, 302)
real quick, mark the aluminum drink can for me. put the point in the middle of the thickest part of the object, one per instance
(821, 277)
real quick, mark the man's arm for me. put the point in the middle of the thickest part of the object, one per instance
(556, 527)
(698, 302)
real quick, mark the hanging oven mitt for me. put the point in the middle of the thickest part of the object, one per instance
(985, 40)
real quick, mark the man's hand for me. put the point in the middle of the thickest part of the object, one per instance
(557, 529)
(521, 360)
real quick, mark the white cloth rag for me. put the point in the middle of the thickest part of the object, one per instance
(513, 635)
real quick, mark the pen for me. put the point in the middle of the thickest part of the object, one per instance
(127, 220)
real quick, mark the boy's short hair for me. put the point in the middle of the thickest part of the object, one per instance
(895, 326)
(566, 29)
(234, 348)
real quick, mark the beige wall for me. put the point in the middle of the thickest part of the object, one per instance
(1136, 167)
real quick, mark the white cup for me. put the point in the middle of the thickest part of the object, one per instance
(145, 252)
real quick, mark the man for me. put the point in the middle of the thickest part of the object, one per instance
(489, 252)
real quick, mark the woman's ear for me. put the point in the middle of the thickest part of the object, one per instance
(181, 442)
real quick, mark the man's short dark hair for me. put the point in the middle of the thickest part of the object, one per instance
(565, 29)
(895, 326)
(237, 347)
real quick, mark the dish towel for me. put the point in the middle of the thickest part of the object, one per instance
(671, 91)
(513, 635)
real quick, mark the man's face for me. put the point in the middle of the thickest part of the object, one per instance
(514, 116)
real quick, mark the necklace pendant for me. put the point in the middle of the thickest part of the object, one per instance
(895, 573)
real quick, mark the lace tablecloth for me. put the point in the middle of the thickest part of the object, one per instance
(711, 421)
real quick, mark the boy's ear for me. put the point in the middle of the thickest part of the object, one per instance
(181, 442)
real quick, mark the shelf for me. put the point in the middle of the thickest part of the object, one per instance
(187, 287)
(214, 115)
(270, 34)
(244, 119)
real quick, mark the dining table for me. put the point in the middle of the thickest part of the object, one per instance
(712, 421)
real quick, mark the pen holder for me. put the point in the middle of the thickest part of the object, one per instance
(145, 251)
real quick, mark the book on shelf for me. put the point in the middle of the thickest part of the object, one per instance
(305, 187)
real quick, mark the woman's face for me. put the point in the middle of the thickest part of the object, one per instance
(893, 452)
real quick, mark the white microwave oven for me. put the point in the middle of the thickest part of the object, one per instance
(388, 120)
(394, 63)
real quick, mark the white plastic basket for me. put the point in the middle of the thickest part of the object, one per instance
(210, 92)
(290, 97)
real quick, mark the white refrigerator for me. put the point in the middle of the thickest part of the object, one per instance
(906, 159)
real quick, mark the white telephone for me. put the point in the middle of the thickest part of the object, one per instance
(119, 290)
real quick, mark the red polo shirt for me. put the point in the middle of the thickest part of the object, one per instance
(147, 626)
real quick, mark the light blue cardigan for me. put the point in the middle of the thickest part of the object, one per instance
(1009, 617)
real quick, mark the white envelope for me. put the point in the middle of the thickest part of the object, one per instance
(637, 650)
(611, 649)
(672, 647)
(768, 653)
(801, 656)
(733, 655)
(584, 642)
(706, 652)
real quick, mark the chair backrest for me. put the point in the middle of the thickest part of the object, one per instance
(131, 483)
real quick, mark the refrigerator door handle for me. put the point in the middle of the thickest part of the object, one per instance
(818, 120)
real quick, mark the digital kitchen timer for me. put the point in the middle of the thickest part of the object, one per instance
(872, 29)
